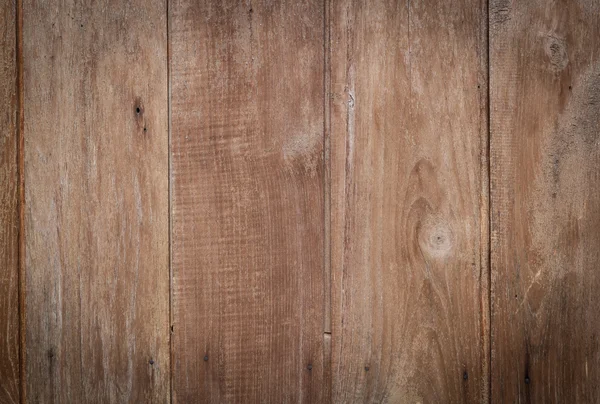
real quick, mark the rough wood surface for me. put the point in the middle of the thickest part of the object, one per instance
(545, 154)
(408, 143)
(9, 207)
(247, 181)
(96, 175)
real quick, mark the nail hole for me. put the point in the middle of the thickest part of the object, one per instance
(465, 375)
(152, 361)
(527, 380)
(570, 87)
(145, 129)
(309, 367)
(206, 358)
(367, 368)
(138, 110)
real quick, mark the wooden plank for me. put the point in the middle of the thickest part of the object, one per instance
(545, 128)
(409, 232)
(247, 200)
(96, 175)
(9, 206)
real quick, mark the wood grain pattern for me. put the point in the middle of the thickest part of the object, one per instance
(545, 154)
(96, 175)
(9, 207)
(408, 143)
(247, 172)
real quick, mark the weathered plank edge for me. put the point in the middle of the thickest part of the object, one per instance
(170, 206)
(327, 275)
(21, 179)
(484, 204)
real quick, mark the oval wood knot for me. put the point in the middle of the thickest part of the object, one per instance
(435, 237)
(556, 50)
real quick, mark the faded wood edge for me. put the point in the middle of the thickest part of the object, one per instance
(21, 201)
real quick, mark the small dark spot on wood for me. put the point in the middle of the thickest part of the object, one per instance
(50, 353)
(309, 367)
(570, 87)
(145, 129)
(367, 368)
(515, 296)
(465, 375)
(81, 25)
(151, 361)
(527, 380)
(172, 328)
(554, 195)
(205, 358)
(251, 11)
(138, 110)
(478, 86)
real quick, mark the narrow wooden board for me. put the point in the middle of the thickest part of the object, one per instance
(409, 211)
(96, 178)
(9, 207)
(247, 201)
(545, 177)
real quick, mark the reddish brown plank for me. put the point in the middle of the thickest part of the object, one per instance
(247, 201)
(545, 154)
(96, 189)
(409, 211)
(9, 206)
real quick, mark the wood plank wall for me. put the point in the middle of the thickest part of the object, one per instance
(96, 195)
(247, 177)
(545, 177)
(408, 143)
(326, 201)
(10, 223)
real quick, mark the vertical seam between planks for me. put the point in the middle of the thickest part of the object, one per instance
(170, 205)
(21, 202)
(327, 165)
(327, 320)
(489, 203)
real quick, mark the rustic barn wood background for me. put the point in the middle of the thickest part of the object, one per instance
(317, 201)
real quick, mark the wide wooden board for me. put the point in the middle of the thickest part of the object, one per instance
(408, 201)
(545, 205)
(96, 179)
(247, 201)
(9, 206)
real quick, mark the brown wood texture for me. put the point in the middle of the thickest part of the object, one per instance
(9, 206)
(96, 179)
(247, 201)
(408, 194)
(545, 136)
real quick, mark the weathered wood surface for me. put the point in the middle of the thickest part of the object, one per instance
(329, 201)
(409, 218)
(545, 177)
(96, 178)
(247, 201)
(9, 206)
